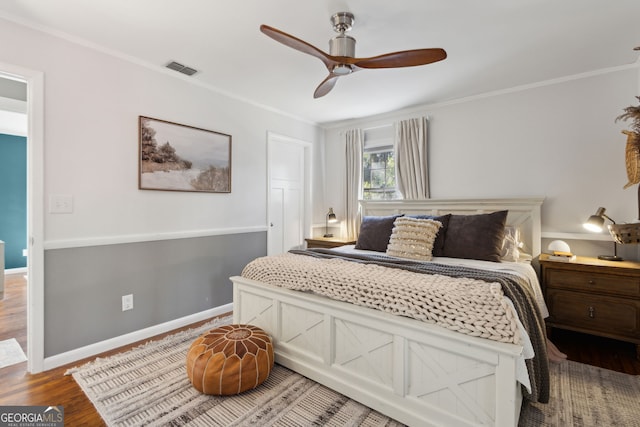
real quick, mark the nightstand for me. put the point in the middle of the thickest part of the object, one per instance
(593, 296)
(323, 242)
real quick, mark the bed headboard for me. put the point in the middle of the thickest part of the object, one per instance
(523, 212)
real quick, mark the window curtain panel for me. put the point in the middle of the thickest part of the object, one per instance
(412, 177)
(353, 144)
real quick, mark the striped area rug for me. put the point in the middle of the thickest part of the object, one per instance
(148, 385)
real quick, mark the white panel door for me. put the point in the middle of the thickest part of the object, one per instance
(286, 194)
(276, 214)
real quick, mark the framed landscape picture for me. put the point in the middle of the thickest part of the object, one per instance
(176, 157)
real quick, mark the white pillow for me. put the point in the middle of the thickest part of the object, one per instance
(413, 238)
(512, 246)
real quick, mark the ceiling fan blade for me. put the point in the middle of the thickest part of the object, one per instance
(405, 58)
(326, 85)
(296, 43)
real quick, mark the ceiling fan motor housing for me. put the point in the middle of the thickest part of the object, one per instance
(342, 45)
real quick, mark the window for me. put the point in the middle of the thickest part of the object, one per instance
(378, 164)
(379, 173)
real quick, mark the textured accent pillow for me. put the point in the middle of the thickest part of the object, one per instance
(375, 232)
(413, 238)
(476, 236)
(438, 245)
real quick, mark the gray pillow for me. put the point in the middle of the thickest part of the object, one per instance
(438, 245)
(475, 236)
(375, 232)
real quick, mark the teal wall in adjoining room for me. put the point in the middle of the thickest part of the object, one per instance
(13, 199)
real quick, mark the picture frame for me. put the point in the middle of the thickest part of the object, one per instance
(176, 157)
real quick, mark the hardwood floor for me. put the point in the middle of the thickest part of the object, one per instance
(606, 353)
(54, 388)
(13, 310)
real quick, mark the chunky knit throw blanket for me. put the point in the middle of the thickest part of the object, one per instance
(466, 300)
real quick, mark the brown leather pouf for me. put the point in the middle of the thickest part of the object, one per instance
(230, 359)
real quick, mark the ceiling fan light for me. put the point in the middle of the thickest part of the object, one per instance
(342, 69)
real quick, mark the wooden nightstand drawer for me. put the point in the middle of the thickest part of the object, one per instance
(616, 316)
(593, 282)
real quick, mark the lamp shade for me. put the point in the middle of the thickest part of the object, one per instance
(331, 216)
(559, 246)
(595, 223)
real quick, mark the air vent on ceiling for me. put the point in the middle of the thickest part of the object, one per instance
(176, 66)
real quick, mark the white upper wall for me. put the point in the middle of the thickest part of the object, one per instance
(92, 103)
(557, 140)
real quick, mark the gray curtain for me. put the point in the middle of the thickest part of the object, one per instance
(411, 147)
(353, 144)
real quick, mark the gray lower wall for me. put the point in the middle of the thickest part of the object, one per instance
(169, 279)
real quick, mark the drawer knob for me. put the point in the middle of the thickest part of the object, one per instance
(592, 282)
(592, 312)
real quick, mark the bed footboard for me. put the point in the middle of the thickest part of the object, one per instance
(414, 372)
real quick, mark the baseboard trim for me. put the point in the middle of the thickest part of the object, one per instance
(18, 270)
(122, 340)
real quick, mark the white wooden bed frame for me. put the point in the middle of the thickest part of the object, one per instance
(417, 373)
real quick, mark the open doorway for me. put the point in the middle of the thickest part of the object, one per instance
(34, 111)
(13, 221)
(13, 175)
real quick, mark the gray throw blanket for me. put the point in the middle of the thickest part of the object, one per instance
(514, 287)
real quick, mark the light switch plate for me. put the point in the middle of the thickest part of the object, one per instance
(60, 204)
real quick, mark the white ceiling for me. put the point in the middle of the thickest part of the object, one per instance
(491, 44)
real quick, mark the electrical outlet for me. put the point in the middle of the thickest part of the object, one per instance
(127, 302)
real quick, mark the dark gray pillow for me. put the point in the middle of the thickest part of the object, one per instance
(438, 245)
(375, 232)
(475, 236)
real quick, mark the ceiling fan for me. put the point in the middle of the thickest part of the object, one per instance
(341, 60)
